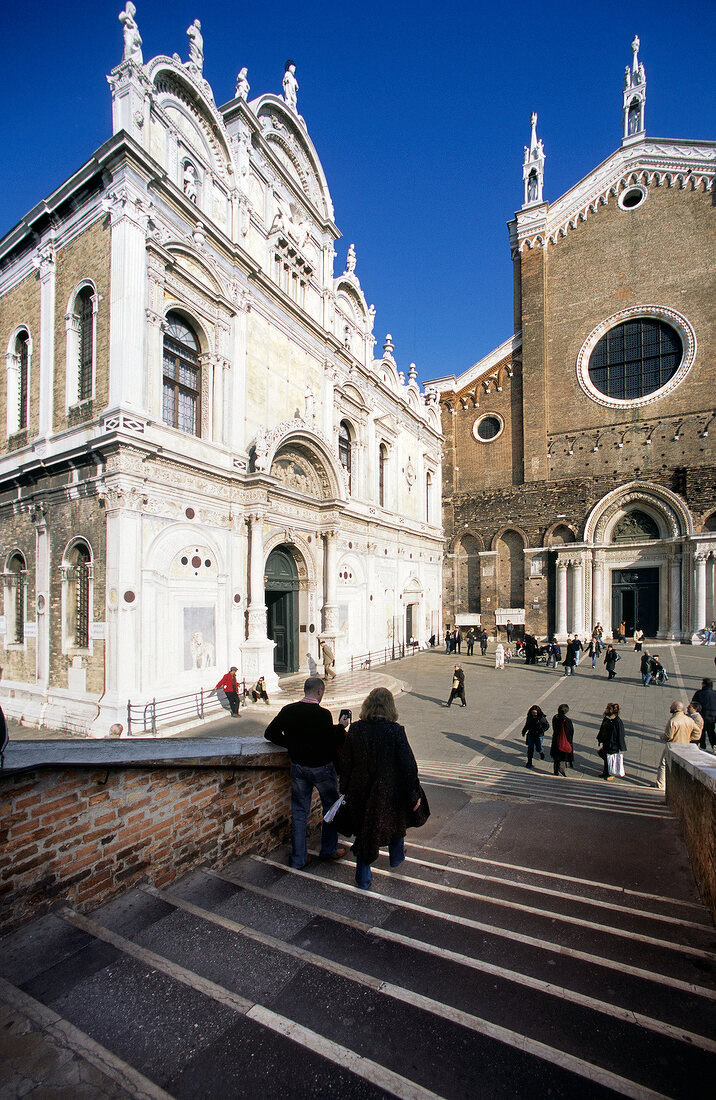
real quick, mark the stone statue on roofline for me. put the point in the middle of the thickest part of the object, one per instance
(242, 84)
(196, 46)
(290, 86)
(351, 259)
(132, 37)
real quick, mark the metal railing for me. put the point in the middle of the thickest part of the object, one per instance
(382, 656)
(146, 717)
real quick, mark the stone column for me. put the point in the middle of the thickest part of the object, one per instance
(42, 598)
(257, 650)
(257, 598)
(699, 620)
(675, 594)
(561, 616)
(46, 264)
(330, 607)
(578, 596)
(128, 212)
(597, 591)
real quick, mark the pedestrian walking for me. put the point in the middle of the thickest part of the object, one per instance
(621, 632)
(562, 738)
(448, 639)
(536, 725)
(230, 687)
(597, 635)
(638, 639)
(554, 653)
(610, 661)
(612, 742)
(458, 686)
(570, 659)
(499, 655)
(645, 668)
(678, 731)
(593, 651)
(470, 639)
(530, 648)
(578, 647)
(379, 777)
(706, 699)
(314, 743)
(483, 642)
(329, 661)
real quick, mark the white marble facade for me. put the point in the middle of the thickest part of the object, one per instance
(297, 439)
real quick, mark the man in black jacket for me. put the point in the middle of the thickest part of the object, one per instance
(306, 729)
(458, 686)
(706, 698)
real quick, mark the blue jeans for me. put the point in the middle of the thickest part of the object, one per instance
(303, 780)
(551, 660)
(396, 853)
(569, 670)
(646, 678)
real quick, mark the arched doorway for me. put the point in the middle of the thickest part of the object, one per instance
(282, 609)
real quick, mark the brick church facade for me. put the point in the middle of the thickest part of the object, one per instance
(579, 480)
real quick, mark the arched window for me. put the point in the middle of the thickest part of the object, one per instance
(181, 396)
(81, 345)
(15, 588)
(18, 380)
(382, 468)
(77, 595)
(85, 311)
(345, 451)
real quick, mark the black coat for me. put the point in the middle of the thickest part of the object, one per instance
(558, 721)
(535, 724)
(308, 732)
(611, 735)
(610, 659)
(379, 778)
(707, 698)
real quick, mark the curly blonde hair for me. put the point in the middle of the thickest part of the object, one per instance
(379, 703)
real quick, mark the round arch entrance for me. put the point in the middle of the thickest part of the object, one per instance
(282, 609)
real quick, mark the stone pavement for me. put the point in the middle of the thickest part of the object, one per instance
(544, 937)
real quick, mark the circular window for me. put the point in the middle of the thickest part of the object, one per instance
(487, 428)
(636, 356)
(632, 197)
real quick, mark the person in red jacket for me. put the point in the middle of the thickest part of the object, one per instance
(230, 686)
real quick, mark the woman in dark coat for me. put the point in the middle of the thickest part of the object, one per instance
(379, 778)
(561, 724)
(535, 725)
(610, 661)
(611, 739)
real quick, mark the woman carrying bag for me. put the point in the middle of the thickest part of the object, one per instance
(612, 742)
(379, 778)
(562, 738)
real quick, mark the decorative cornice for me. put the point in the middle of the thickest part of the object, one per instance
(684, 165)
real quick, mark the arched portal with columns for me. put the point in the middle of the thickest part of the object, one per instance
(640, 562)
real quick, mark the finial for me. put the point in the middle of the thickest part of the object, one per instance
(634, 99)
(533, 166)
(388, 346)
(413, 372)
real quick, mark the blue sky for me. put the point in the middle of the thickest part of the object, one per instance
(418, 111)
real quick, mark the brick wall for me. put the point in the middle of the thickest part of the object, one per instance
(84, 834)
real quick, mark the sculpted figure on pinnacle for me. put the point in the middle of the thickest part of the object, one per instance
(132, 37)
(242, 84)
(196, 46)
(290, 86)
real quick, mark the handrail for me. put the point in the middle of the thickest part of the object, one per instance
(145, 717)
(382, 656)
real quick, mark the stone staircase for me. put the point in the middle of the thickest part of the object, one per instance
(456, 976)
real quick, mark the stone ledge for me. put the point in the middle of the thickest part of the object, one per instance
(700, 765)
(246, 752)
